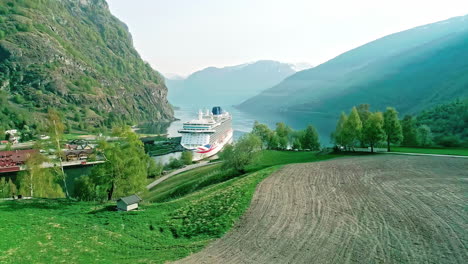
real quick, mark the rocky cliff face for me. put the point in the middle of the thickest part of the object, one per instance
(75, 56)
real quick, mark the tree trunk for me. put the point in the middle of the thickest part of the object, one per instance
(372, 148)
(31, 191)
(111, 192)
(388, 143)
(59, 152)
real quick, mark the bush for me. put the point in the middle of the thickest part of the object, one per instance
(448, 141)
(154, 168)
(174, 164)
(23, 27)
(187, 157)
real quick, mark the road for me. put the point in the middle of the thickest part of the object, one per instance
(375, 209)
(186, 168)
(426, 154)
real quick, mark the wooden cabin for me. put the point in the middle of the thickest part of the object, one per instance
(128, 203)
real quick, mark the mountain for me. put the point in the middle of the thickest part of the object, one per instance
(74, 55)
(410, 70)
(228, 85)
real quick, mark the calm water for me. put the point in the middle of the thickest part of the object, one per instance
(242, 122)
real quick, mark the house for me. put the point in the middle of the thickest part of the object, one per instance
(128, 203)
(72, 155)
(13, 136)
(79, 144)
(12, 160)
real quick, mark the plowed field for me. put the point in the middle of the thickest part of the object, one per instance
(376, 209)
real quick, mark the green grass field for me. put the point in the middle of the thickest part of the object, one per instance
(50, 231)
(444, 151)
(196, 179)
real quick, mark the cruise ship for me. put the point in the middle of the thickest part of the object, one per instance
(208, 134)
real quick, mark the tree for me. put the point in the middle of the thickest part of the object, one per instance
(282, 131)
(55, 128)
(364, 114)
(373, 132)
(392, 127)
(408, 125)
(126, 167)
(283, 143)
(243, 153)
(263, 132)
(273, 142)
(310, 140)
(36, 181)
(338, 136)
(155, 169)
(424, 136)
(352, 129)
(7, 188)
(187, 157)
(297, 144)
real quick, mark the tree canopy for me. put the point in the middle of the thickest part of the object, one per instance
(392, 127)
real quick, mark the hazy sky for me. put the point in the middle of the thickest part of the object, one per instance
(182, 36)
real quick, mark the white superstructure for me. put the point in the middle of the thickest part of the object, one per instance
(208, 134)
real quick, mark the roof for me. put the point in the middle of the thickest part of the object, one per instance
(17, 155)
(132, 199)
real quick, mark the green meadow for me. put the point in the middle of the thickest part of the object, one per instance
(51, 231)
(439, 151)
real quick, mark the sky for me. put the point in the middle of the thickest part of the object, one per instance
(183, 36)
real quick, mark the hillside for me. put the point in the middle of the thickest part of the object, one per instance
(410, 70)
(74, 55)
(448, 123)
(228, 85)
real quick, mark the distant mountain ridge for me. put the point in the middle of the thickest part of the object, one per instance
(410, 70)
(228, 85)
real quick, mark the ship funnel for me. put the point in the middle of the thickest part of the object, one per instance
(217, 110)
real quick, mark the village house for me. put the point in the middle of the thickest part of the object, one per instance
(79, 144)
(12, 160)
(128, 203)
(12, 136)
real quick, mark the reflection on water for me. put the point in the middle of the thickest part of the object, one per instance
(164, 159)
(153, 128)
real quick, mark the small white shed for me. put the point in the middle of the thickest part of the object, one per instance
(128, 203)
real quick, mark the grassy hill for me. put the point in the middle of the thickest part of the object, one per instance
(411, 70)
(76, 56)
(50, 231)
(227, 85)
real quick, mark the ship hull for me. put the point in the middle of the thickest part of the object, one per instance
(200, 155)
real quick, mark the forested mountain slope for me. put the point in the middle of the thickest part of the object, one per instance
(411, 70)
(74, 55)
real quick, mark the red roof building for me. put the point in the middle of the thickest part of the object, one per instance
(11, 160)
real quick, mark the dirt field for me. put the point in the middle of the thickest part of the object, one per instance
(377, 209)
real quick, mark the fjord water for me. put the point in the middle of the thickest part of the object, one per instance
(242, 122)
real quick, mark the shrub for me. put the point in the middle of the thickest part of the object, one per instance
(23, 27)
(187, 157)
(448, 141)
(174, 163)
